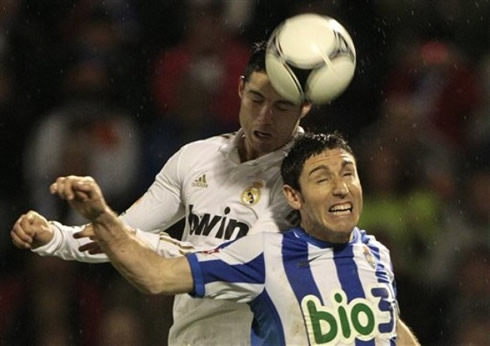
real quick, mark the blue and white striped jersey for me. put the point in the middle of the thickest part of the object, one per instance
(304, 291)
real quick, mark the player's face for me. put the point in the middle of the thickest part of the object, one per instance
(269, 120)
(330, 201)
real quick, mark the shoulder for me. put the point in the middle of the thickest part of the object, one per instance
(205, 148)
(371, 245)
(214, 142)
(370, 240)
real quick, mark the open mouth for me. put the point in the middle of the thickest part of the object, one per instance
(341, 209)
(262, 135)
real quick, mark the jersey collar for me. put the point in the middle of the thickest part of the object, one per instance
(300, 233)
(230, 149)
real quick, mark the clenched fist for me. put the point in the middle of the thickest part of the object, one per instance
(82, 193)
(30, 231)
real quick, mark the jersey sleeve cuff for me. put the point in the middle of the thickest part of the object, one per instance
(197, 276)
(50, 248)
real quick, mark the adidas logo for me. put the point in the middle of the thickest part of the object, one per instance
(201, 181)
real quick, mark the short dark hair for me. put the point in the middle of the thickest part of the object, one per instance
(256, 62)
(304, 147)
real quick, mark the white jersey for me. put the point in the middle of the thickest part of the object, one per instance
(304, 291)
(221, 199)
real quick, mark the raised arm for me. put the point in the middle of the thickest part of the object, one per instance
(140, 265)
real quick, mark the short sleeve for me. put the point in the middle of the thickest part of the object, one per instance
(233, 271)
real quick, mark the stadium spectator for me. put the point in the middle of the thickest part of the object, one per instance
(189, 119)
(50, 302)
(466, 222)
(209, 55)
(86, 133)
(468, 302)
(439, 90)
(478, 127)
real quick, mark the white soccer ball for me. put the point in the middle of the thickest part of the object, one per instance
(310, 58)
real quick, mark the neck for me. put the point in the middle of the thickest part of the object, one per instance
(333, 237)
(245, 153)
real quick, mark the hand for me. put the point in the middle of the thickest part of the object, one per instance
(83, 194)
(31, 230)
(93, 247)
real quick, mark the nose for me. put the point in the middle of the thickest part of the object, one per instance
(340, 188)
(266, 112)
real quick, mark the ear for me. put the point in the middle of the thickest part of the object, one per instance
(305, 109)
(241, 86)
(292, 196)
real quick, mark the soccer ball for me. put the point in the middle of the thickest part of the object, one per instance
(310, 58)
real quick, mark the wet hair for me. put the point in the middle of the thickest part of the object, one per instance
(306, 146)
(256, 62)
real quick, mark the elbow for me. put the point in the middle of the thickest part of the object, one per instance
(151, 289)
(154, 287)
(158, 290)
(164, 288)
(146, 285)
(158, 276)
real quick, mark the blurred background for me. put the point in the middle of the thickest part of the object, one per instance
(112, 88)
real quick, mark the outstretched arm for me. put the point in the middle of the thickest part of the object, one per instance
(140, 265)
(32, 231)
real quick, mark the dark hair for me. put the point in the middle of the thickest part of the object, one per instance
(304, 147)
(256, 62)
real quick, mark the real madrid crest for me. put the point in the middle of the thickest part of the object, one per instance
(251, 195)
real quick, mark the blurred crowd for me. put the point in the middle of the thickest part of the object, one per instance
(112, 88)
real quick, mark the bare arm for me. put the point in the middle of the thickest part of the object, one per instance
(405, 337)
(141, 266)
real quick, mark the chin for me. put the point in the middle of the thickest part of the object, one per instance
(343, 226)
(345, 231)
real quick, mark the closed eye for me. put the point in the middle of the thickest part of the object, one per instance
(255, 96)
(284, 106)
(322, 180)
